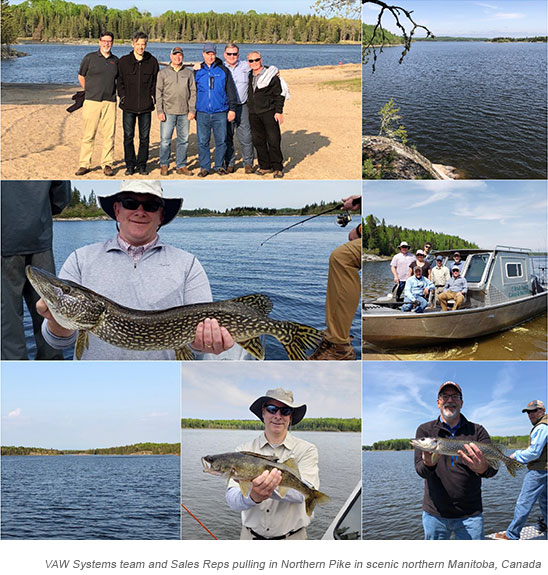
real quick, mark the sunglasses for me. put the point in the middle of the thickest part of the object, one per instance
(446, 396)
(231, 53)
(133, 204)
(273, 409)
(254, 60)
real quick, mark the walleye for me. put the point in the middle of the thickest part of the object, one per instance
(246, 318)
(494, 454)
(245, 466)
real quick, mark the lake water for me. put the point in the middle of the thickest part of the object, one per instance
(204, 494)
(59, 63)
(91, 497)
(526, 342)
(478, 106)
(393, 492)
(291, 268)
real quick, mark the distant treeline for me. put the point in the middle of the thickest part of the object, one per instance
(534, 39)
(510, 441)
(377, 39)
(309, 424)
(307, 210)
(55, 19)
(145, 448)
(384, 240)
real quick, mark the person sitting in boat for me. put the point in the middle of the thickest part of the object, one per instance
(421, 263)
(138, 270)
(457, 261)
(400, 267)
(439, 276)
(455, 289)
(415, 292)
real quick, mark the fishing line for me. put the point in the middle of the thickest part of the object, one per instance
(194, 516)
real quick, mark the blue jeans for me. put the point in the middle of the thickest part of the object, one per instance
(408, 306)
(181, 122)
(241, 126)
(441, 528)
(533, 489)
(128, 120)
(205, 123)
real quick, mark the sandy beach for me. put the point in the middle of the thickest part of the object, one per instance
(321, 132)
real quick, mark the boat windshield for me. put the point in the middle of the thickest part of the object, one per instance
(476, 267)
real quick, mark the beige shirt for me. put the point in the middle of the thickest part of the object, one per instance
(274, 516)
(439, 276)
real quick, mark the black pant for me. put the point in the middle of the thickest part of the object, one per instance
(267, 139)
(128, 119)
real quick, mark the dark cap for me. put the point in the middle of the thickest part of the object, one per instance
(456, 254)
(532, 405)
(210, 47)
(452, 383)
(439, 258)
(177, 50)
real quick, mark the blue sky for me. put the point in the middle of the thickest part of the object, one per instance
(511, 213)
(399, 396)
(471, 18)
(230, 194)
(159, 6)
(74, 405)
(225, 390)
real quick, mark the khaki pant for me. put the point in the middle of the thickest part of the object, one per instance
(95, 114)
(343, 291)
(447, 295)
(245, 534)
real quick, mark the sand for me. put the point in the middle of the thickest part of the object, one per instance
(321, 132)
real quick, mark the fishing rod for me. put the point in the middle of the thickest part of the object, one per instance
(342, 220)
(194, 517)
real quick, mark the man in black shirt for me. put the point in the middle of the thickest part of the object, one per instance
(97, 76)
(137, 89)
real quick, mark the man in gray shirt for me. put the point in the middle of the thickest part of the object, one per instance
(138, 270)
(27, 235)
(176, 106)
(454, 289)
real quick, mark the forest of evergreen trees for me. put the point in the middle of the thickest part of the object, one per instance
(45, 20)
(383, 240)
(147, 447)
(309, 424)
(368, 38)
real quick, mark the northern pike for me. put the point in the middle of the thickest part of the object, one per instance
(246, 318)
(244, 466)
(493, 454)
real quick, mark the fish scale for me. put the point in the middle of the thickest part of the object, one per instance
(246, 319)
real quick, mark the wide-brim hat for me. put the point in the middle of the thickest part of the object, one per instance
(532, 405)
(150, 187)
(283, 396)
(403, 245)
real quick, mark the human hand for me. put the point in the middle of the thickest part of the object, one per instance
(53, 326)
(352, 203)
(263, 486)
(162, 117)
(197, 66)
(191, 116)
(474, 458)
(430, 459)
(211, 337)
(231, 116)
(279, 118)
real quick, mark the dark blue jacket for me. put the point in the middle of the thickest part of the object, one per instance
(215, 89)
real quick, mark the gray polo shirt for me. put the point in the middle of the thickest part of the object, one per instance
(100, 74)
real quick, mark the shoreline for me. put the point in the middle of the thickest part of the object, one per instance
(42, 141)
(127, 41)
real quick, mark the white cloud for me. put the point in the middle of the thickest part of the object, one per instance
(508, 16)
(490, 6)
(15, 413)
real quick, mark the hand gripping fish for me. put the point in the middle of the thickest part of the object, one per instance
(246, 318)
(245, 466)
(493, 453)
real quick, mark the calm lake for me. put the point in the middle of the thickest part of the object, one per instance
(204, 494)
(91, 497)
(59, 63)
(291, 268)
(527, 341)
(478, 106)
(392, 502)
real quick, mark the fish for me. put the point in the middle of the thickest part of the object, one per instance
(494, 454)
(246, 318)
(244, 466)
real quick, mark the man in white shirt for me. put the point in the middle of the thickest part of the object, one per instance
(400, 267)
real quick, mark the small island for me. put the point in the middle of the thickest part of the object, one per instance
(133, 449)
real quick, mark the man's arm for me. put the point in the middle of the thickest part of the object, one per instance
(160, 98)
(538, 441)
(192, 99)
(120, 84)
(82, 81)
(425, 464)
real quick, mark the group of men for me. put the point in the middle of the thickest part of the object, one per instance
(452, 501)
(424, 284)
(239, 98)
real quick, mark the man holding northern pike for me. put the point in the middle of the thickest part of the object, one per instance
(452, 487)
(274, 478)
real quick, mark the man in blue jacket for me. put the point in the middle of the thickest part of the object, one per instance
(216, 100)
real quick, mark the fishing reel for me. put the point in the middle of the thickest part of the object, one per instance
(343, 219)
